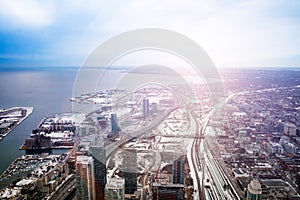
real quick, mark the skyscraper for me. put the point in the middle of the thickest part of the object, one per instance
(99, 156)
(130, 170)
(85, 184)
(114, 123)
(254, 190)
(178, 170)
(146, 110)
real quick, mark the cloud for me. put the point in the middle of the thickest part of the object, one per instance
(26, 13)
(234, 33)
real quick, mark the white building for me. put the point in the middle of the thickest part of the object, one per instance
(115, 189)
(290, 129)
(254, 191)
(275, 148)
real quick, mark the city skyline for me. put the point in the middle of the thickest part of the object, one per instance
(187, 147)
(150, 100)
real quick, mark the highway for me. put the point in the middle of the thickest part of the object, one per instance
(197, 164)
(159, 119)
(210, 180)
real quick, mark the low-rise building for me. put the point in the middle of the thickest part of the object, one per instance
(115, 189)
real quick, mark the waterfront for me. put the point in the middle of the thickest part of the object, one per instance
(47, 91)
(11, 118)
(248, 131)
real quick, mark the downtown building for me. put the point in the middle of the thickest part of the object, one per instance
(178, 170)
(290, 129)
(85, 184)
(130, 170)
(168, 191)
(115, 129)
(146, 108)
(115, 189)
(99, 157)
(254, 191)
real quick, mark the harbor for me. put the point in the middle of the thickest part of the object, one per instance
(36, 172)
(21, 167)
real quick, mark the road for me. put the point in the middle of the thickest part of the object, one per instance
(210, 180)
(203, 163)
(159, 119)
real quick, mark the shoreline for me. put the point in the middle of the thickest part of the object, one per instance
(20, 119)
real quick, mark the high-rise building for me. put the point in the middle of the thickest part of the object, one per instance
(254, 191)
(146, 108)
(99, 156)
(130, 170)
(114, 123)
(168, 191)
(85, 184)
(86, 129)
(280, 127)
(178, 170)
(114, 189)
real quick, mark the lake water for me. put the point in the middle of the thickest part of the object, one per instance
(47, 91)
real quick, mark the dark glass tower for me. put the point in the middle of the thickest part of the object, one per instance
(146, 110)
(130, 170)
(98, 153)
(178, 170)
(114, 123)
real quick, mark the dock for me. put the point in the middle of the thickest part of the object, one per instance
(10, 118)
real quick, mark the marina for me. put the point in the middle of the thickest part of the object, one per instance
(21, 167)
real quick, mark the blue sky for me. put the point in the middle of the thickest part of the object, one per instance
(233, 33)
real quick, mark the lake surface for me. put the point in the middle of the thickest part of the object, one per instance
(47, 91)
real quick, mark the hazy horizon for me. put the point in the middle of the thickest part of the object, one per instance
(233, 33)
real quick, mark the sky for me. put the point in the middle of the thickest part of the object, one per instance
(234, 33)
